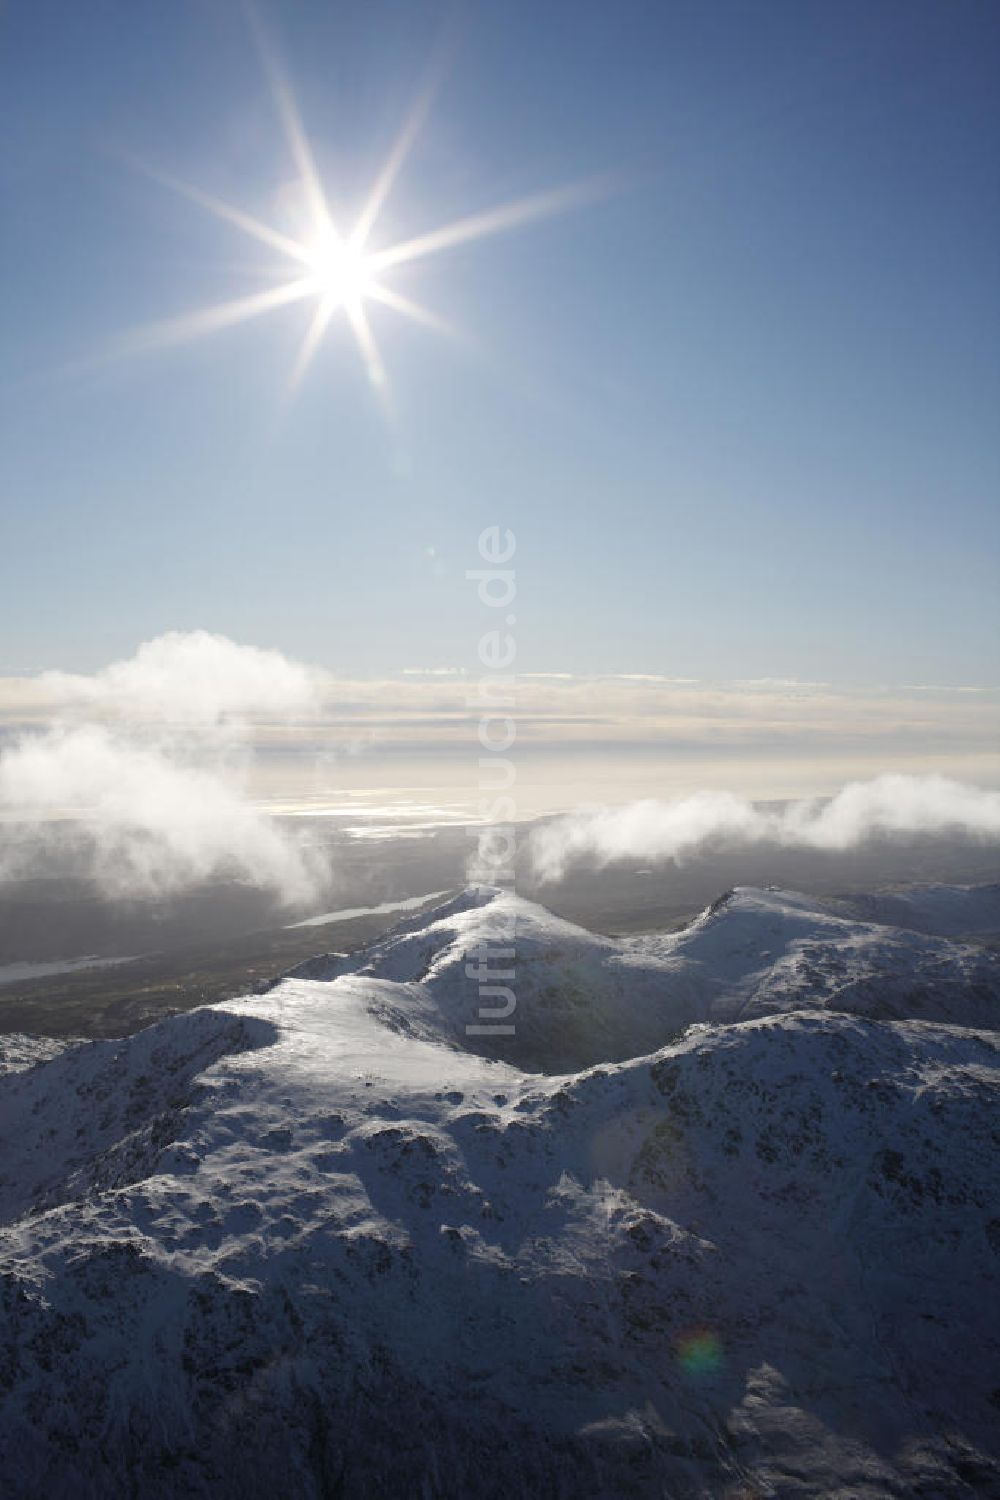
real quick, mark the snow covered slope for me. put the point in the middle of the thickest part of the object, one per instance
(309, 1244)
(19, 1051)
(754, 953)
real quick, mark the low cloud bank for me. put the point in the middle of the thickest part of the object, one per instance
(143, 757)
(658, 832)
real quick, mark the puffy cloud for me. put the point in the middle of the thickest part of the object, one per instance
(655, 832)
(190, 677)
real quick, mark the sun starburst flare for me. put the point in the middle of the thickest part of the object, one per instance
(340, 271)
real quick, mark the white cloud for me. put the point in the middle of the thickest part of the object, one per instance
(143, 757)
(657, 832)
(148, 823)
(190, 677)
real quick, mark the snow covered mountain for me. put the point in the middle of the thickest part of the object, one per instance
(721, 1219)
(584, 999)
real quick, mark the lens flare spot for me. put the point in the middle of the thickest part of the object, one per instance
(699, 1352)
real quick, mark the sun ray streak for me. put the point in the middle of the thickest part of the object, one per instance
(295, 135)
(310, 343)
(361, 329)
(212, 319)
(494, 221)
(402, 146)
(390, 170)
(225, 211)
(415, 311)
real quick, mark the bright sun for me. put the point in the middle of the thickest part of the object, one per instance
(342, 273)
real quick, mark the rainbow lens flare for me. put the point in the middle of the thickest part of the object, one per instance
(699, 1352)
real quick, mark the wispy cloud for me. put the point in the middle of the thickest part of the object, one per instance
(924, 687)
(201, 681)
(434, 671)
(779, 682)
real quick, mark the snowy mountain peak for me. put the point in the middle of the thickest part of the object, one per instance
(583, 998)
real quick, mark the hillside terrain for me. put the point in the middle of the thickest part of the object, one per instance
(720, 1219)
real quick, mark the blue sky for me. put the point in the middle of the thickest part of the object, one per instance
(740, 416)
